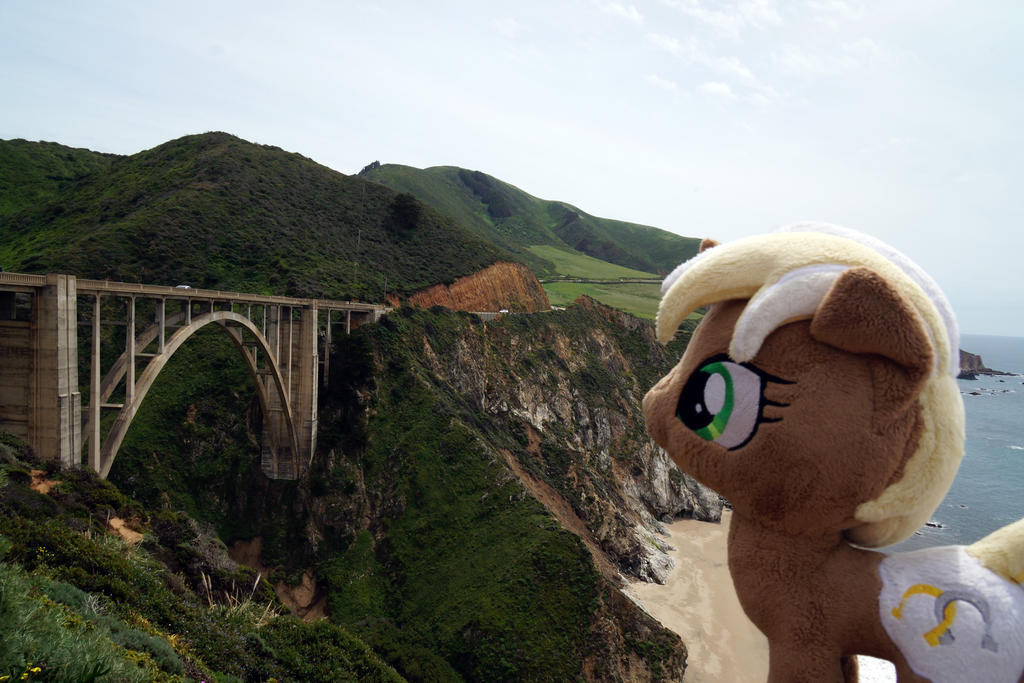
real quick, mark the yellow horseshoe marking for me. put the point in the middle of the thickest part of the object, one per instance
(947, 620)
(948, 615)
(916, 589)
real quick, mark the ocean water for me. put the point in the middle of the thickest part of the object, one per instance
(988, 492)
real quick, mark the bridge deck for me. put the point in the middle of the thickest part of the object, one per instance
(167, 292)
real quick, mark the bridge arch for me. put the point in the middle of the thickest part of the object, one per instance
(224, 321)
(42, 399)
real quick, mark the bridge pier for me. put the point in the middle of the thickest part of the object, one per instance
(292, 333)
(41, 368)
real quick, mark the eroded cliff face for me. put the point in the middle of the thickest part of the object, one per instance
(500, 286)
(483, 491)
(573, 382)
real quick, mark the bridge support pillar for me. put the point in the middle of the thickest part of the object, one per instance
(275, 460)
(292, 334)
(55, 427)
(305, 381)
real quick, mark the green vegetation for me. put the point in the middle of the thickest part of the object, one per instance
(77, 604)
(503, 592)
(36, 172)
(435, 562)
(215, 211)
(570, 263)
(636, 299)
(506, 216)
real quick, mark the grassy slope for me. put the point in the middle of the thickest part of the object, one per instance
(506, 215)
(505, 593)
(34, 172)
(212, 210)
(574, 264)
(79, 605)
(639, 299)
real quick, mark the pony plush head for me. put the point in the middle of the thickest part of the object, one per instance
(819, 391)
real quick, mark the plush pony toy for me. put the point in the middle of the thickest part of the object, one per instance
(819, 396)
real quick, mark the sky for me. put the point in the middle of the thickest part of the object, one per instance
(900, 118)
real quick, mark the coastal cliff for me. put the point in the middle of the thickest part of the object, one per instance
(484, 464)
(971, 365)
(503, 285)
(481, 493)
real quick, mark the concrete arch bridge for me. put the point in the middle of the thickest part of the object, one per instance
(44, 319)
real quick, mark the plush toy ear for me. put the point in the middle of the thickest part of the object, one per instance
(864, 314)
(706, 244)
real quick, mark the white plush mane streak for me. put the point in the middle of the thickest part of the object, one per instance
(913, 271)
(795, 296)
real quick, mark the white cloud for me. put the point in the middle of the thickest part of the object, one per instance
(761, 13)
(721, 68)
(666, 43)
(660, 82)
(834, 12)
(864, 52)
(628, 12)
(729, 19)
(508, 27)
(735, 67)
(717, 89)
(859, 55)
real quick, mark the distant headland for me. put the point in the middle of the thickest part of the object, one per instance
(972, 365)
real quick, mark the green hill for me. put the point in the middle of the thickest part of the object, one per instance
(514, 220)
(434, 558)
(33, 172)
(213, 210)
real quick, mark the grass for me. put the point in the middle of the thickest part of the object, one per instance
(504, 592)
(574, 264)
(34, 172)
(636, 299)
(506, 216)
(77, 604)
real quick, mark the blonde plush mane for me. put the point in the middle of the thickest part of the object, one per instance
(785, 275)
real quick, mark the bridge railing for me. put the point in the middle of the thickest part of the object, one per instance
(185, 292)
(22, 280)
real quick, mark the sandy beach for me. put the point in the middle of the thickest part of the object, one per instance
(699, 603)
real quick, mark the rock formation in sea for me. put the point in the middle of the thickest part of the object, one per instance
(971, 365)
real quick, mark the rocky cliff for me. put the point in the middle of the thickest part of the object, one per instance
(480, 493)
(445, 434)
(971, 365)
(500, 286)
(572, 383)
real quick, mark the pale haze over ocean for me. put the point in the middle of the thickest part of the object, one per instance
(988, 491)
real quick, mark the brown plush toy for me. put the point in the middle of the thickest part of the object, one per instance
(818, 396)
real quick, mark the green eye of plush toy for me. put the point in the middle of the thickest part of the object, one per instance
(722, 401)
